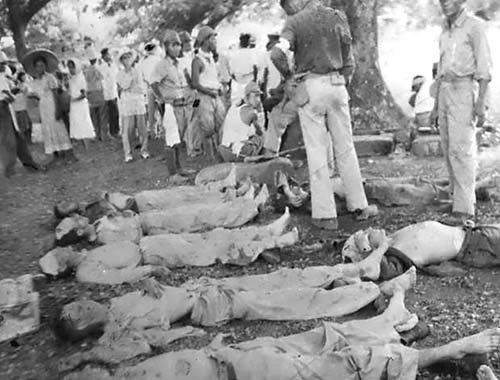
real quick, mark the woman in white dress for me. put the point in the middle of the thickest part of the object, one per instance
(80, 123)
(55, 137)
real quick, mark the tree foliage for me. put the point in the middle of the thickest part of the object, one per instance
(149, 17)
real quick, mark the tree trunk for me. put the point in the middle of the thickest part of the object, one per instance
(19, 14)
(372, 105)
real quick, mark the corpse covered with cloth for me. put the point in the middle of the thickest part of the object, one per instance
(129, 261)
(429, 243)
(287, 294)
(369, 349)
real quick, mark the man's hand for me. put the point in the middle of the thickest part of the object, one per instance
(480, 113)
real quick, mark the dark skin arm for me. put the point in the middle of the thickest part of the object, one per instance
(197, 69)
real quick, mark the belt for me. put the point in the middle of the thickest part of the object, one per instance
(179, 102)
(449, 78)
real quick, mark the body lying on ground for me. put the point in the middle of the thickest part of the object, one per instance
(287, 294)
(129, 261)
(364, 349)
(430, 243)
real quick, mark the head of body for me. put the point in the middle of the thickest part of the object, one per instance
(72, 67)
(127, 60)
(452, 8)
(40, 64)
(359, 245)
(207, 39)
(150, 48)
(106, 56)
(172, 44)
(274, 39)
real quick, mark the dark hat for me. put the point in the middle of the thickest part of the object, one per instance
(204, 33)
(50, 58)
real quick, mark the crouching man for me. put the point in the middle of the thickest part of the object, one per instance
(242, 132)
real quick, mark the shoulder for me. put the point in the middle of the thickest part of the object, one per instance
(475, 23)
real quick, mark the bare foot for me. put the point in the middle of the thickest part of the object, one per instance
(485, 373)
(482, 343)
(278, 227)
(288, 239)
(404, 282)
(262, 198)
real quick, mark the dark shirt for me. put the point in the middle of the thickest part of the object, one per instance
(320, 38)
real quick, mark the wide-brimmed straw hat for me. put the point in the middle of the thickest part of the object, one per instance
(50, 58)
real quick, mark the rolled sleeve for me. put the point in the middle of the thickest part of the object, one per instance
(482, 52)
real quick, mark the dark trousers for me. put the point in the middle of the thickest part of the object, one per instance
(99, 118)
(23, 152)
(113, 117)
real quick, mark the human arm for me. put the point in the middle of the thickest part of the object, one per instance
(482, 75)
(197, 68)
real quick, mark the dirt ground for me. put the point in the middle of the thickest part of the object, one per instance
(453, 307)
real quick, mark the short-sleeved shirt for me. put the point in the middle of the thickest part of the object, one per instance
(170, 77)
(132, 100)
(464, 49)
(109, 71)
(320, 38)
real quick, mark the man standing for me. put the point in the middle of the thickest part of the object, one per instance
(465, 60)
(147, 67)
(168, 84)
(321, 41)
(210, 111)
(110, 89)
(95, 95)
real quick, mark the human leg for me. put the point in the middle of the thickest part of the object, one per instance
(339, 126)
(482, 343)
(94, 115)
(142, 130)
(443, 113)
(462, 146)
(313, 123)
(127, 136)
(23, 152)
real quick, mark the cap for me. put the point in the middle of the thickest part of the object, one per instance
(252, 87)
(185, 37)
(170, 36)
(204, 33)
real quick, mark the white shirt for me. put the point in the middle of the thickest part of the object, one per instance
(424, 102)
(234, 131)
(209, 77)
(109, 84)
(186, 63)
(148, 65)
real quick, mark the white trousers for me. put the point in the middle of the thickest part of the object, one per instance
(458, 139)
(328, 112)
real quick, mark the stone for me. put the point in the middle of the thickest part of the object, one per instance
(74, 229)
(374, 145)
(425, 146)
(19, 307)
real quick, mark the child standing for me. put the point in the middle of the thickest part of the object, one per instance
(168, 86)
(132, 106)
(23, 120)
(81, 127)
